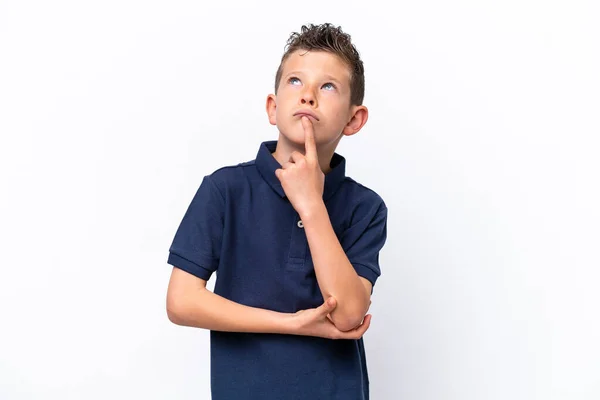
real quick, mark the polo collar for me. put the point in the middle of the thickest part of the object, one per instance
(267, 164)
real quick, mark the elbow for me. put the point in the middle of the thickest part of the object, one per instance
(183, 308)
(349, 316)
(173, 313)
(349, 321)
(176, 308)
(173, 317)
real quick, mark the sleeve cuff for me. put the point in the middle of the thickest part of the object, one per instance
(188, 266)
(366, 272)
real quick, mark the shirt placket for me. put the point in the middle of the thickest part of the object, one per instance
(298, 245)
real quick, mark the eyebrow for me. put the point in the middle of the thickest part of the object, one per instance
(327, 76)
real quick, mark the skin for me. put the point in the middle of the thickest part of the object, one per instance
(319, 82)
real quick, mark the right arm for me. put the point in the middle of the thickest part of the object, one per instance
(190, 303)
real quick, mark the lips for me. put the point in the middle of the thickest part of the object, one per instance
(307, 113)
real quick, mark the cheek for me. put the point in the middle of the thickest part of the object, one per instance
(282, 104)
(339, 116)
(335, 107)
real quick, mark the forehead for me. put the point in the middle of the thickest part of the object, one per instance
(317, 62)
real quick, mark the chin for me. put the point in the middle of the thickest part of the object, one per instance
(292, 135)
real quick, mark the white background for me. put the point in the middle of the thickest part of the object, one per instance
(483, 140)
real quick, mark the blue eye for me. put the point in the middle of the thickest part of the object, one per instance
(331, 85)
(292, 79)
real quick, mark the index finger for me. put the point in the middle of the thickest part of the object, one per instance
(309, 138)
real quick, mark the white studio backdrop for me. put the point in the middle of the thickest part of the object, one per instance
(483, 139)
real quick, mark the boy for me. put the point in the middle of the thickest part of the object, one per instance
(294, 242)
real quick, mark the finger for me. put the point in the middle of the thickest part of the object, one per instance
(328, 306)
(287, 165)
(309, 138)
(360, 330)
(295, 157)
(278, 173)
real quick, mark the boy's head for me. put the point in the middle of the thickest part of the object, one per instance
(320, 73)
(329, 39)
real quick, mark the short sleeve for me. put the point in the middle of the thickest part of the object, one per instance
(364, 239)
(197, 243)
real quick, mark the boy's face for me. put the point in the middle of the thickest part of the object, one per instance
(318, 83)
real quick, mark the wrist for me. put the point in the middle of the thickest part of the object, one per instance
(286, 323)
(313, 211)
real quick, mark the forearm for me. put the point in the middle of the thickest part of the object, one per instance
(202, 308)
(335, 274)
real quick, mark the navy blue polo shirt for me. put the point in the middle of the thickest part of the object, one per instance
(241, 225)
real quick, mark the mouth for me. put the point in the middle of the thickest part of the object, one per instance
(307, 113)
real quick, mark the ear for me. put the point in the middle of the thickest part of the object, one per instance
(360, 115)
(271, 107)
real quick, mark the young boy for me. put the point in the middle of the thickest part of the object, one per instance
(294, 242)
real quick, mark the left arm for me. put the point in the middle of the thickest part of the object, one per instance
(303, 180)
(335, 274)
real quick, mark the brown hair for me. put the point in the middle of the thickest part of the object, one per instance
(328, 38)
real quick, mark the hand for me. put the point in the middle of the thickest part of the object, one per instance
(316, 322)
(301, 177)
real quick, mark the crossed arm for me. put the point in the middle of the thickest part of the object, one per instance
(190, 303)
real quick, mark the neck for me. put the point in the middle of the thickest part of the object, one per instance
(285, 148)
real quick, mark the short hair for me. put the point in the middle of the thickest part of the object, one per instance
(329, 38)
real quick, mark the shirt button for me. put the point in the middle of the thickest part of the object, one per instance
(300, 224)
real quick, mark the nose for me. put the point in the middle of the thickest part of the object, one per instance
(308, 97)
